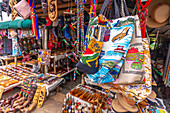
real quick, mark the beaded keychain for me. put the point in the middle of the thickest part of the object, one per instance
(93, 6)
(75, 56)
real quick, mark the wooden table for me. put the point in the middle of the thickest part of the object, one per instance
(8, 58)
(57, 58)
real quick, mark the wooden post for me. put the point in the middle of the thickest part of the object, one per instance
(45, 47)
(82, 79)
(15, 59)
(54, 66)
(6, 62)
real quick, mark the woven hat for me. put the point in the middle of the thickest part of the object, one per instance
(117, 107)
(159, 12)
(125, 105)
(152, 95)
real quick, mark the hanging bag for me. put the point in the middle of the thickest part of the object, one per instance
(23, 9)
(132, 70)
(115, 47)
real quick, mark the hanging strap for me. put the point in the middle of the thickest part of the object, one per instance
(104, 7)
(116, 11)
(125, 8)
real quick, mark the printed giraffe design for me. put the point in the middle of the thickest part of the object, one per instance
(121, 35)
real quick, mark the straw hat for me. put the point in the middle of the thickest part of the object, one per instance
(125, 105)
(117, 107)
(159, 12)
(152, 95)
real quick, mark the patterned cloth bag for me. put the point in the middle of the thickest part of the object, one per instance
(89, 61)
(114, 49)
(136, 92)
(100, 29)
(116, 39)
(132, 70)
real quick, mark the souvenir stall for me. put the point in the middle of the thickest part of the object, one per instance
(111, 44)
(116, 64)
(25, 43)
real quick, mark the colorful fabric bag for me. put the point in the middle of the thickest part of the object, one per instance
(114, 49)
(115, 35)
(132, 70)
(89, 60)
(136, 92)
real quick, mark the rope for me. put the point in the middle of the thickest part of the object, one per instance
(122, 9)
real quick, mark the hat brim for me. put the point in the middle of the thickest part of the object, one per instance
(150, 22)
(126, 105)
(118, 108)
(152, 95)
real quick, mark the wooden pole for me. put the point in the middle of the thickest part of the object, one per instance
(82, 79)
(45, 47)
(15, 59)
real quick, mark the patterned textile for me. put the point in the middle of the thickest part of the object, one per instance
(136, 92)
(1, 48)
(15, 47)
(132, 71)
(117, 36)
(7, 45)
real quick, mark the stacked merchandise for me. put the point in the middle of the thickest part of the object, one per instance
(86, 99)
(14, 74)
(49, 81)
(29, 97)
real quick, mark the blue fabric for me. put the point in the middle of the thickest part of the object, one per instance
(66, 34)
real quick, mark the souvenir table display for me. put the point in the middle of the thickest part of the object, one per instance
(29, 97)
(17, 72)
(31, 62)
(87, 99)
(50, 81)
(12, 76)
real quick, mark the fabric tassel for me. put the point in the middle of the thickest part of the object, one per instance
(34, 20)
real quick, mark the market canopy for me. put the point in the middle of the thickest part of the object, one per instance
(16, 24)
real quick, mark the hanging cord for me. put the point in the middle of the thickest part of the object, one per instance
(122, 9)
(134, 10)
(78, 24)
(82, 24)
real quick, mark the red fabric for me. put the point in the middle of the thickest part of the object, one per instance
(48, 21)
(88, 51)
(106, 38)
(50, 45)
(133, 50)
